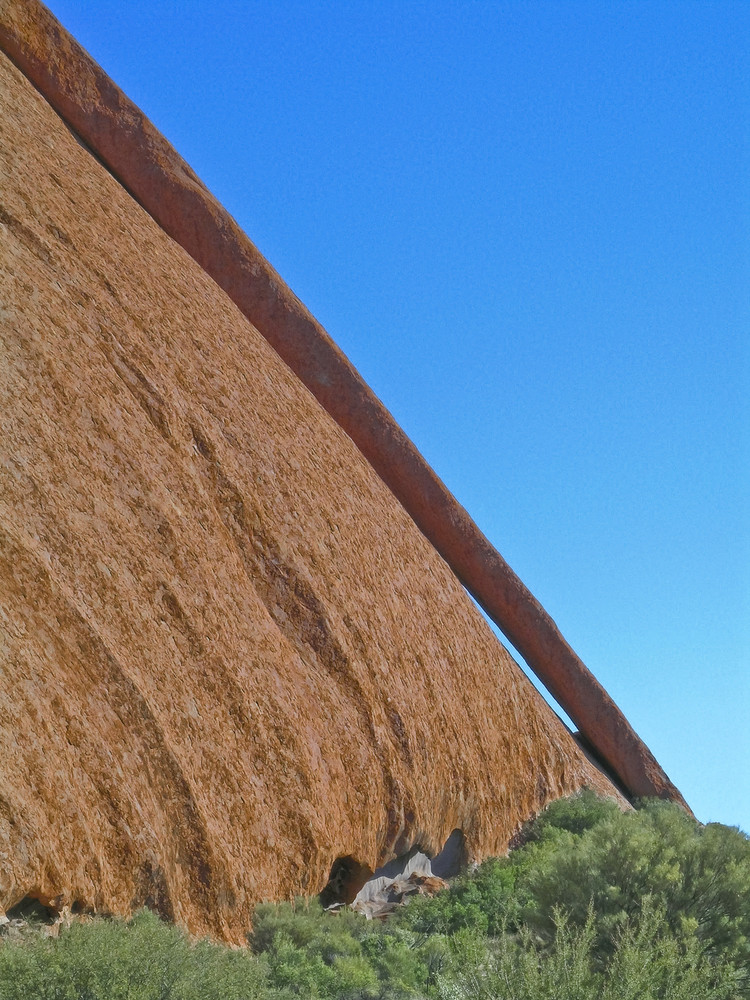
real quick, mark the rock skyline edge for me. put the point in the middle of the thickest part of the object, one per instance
(144, 163)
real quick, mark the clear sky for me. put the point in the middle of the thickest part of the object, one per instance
(528, 225)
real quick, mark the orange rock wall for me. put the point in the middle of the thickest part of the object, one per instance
(228, 656)
(144, 162)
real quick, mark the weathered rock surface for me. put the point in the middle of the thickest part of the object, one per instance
(123, 138)
(227, 655)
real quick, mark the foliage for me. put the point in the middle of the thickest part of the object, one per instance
(596, 905)
(647, 964)
(314, 954)
(698, 875)
(612, 879)
(481, 901)
(141, 959)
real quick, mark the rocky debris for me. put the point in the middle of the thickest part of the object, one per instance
(413, 871)
(405, 877)
(398, 893)
(229, 658)
(30, 917)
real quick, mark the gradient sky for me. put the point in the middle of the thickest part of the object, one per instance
(528, 226)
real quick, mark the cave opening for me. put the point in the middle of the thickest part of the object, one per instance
(346, 879)
(32, 911)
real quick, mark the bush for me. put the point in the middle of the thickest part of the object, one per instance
(597, 905)
(699, 876)
(312, 953)
(647, 964)
(483, 902)
(141, 959)
(604, 874)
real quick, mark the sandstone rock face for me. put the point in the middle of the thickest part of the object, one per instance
(160, 180)
(228, 656)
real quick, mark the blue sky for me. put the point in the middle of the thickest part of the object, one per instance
(528, 226)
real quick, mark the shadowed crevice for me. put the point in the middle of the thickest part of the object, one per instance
(346, 879)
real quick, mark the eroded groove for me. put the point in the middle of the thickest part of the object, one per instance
(180, 620)
(153, 891)
(289, 599)
(395, 838)
(143, 391)
(25, 235)
(177, 803)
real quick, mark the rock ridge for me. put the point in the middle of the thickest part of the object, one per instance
(229, 657)
(115, 129)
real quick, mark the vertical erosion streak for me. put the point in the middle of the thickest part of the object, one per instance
(151, 170)
(301, 618)
(100, 673)
(289, 599)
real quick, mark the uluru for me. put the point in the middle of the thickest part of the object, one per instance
(237, 648)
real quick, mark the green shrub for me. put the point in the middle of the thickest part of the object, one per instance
(597, 905)
(576, 814)
(141, 959)
(312, 953)
(699, 877)
(647, 963)
(594, 867)
(482, 901)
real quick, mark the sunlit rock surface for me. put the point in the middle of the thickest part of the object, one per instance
(227, 656)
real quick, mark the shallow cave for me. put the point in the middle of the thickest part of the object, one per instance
(346, 879)
(32, 911)
(348, 876)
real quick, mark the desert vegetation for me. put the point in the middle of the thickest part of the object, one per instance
(595, 904)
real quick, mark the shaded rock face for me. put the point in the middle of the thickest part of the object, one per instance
(227, 656)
